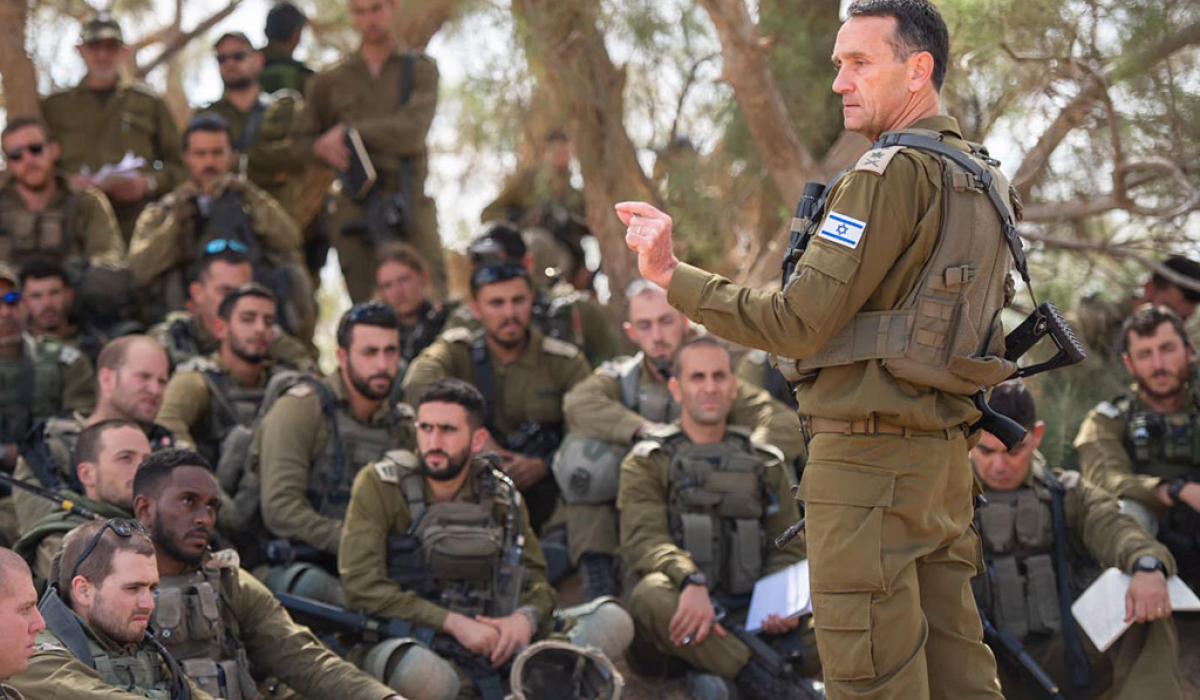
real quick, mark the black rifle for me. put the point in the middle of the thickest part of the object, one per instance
(535, 439)
(64, 503)
(1004, 643)
(771, 660)
(806, 213)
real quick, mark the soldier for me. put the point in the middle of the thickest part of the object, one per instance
(285, 26)
(1021, 593)
(249, 635)
(176, 232)
(48, 300)
(96, 643)
(388, 96)
(402, 282)
(106, 457)
(20, 621)
(480, 585)
(38, 378)
(102, 120)
(622, 402)
(318, 435)
(522, 374)
(889, 537)
(667, 485)
(132, 371)
(223, 268)
(755, 367)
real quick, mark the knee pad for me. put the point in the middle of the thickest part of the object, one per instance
(308, 581)
(553, 669)
(601, 623)
(412, 670)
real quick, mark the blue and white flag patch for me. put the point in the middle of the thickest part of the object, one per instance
(843, 230)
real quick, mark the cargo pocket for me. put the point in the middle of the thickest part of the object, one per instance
(844, 525)
(843, 625)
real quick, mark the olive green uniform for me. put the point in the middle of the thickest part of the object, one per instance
(394, 132)
(49, 378)
(271, 162)
(40, 544)
(281, 71)
(304, 497)
(755, 368)
(185, 338)
(888, 515)
(218, 616)
(76, 229)
(653, 546)
(543, 197)
(1018, 538)
(97, 128)
(527, 393)
(596, 408)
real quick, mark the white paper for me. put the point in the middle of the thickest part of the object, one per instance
(784, 593)
(128, 165)
(1100, 611)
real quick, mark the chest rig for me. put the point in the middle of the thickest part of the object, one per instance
(717, 500)
(1163, 445)
(194, 621)
(26, 234)
(463, 555)
(31, 387)
(650, 400)
(229, 405)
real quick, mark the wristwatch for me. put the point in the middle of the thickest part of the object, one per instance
(696, 579)
(1149, 564)
(1174, 488)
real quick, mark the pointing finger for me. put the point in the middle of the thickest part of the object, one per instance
(626, 210)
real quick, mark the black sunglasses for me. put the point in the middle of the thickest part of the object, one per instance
(491, 274)
(34, 149)
(121, 526)
(223, 58)
(11, 298)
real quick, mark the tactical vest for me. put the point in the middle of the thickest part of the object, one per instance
(717, 499)
(28, 234)
(178, 336)
(465, 556)
(194, 620)
(649, 400)
(1017, 531)
(415, 338)
(31, 387)
(229, 405)
(946, 333)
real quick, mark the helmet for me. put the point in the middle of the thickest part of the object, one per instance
(587, 470)
(556, 669)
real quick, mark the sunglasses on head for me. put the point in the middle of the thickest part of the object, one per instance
(11, 299)
(122, 527)
(220, 245)
(223, 58)
(33, 149)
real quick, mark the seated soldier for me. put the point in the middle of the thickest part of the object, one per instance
(402, 282)
(682, 489)
(442, 540)
(755, 367)
(223, 268)
(20, 621)
(1020, 592)
(106, 457)
(132, 374)
(218, 204)
(49, 302)
(250, 635)
(620, 403)
(96, 644)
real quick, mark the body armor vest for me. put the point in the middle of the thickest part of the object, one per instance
(30, 387)
(178, 336)
(717, 500)
(28, 234)
(229, 405)
(1017, 531)
(194, 621)
(351, 446)
(650, 400)
(946, 333)
(465, 556)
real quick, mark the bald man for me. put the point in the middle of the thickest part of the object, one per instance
(20, 620)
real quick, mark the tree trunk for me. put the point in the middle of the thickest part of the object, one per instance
(19, 78)
(567, 54)
(421, 19)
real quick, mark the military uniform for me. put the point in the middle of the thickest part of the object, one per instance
(617, 401)
(544, 198)
(49, 378)
(755, 369)
(1020, 591)
(711, 509)
(887, 486)
(77, 229)
(171, 233)
(97, 128)
(392, 114)
(524, 398)
(226, 629)
(262, 137)
(306, 474)
(281, 71)
(8, 692)
(186, 338)
(40, 544)
(74, 660)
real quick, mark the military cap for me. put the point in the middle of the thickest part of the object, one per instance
(9, 274)
(102, 27)
(240, 36)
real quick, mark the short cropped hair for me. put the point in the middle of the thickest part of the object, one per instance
(637, 288)
(284, 20)
(11, 566)
(1185, 267)
(208, 123)
(919, 27)
(15, 125)
(250, 289)
(457, 392)
(98, 565)
(158, 466)
(41, 268)
(91, 441)
(1013, 400)
(371, 313)
(701, 341)
(113, 355)
(1146, 319)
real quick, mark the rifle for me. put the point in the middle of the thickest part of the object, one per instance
(1001, 641)
(771, 660)
(535, 439)
(63, 503)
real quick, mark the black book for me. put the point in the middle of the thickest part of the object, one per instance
(358, 180)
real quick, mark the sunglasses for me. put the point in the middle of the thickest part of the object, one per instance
(33, 149)
(122, 527)
(491, 274)
(239, 56)
(220, 245)
(11, 298)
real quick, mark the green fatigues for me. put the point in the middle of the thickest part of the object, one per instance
(888, 516)
(652, 554)
(40, 544)
(48, 378)
(78, 229)
(394, 135)
(185, 338)
(275, 646)
(187, 406)
(293, 445)
(99, 128)
(541, 197)
(528, 391)
(755, 369)
(271, 162)
(281, 71)
(594, 409)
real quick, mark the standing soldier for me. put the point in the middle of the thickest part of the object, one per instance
(888, 486)
(387, 96)
(284, 29)
(20, 620)
(102, 120)
(1028, 509)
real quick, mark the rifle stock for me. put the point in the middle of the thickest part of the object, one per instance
(1002, 641)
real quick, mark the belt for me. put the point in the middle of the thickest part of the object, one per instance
(813, 425)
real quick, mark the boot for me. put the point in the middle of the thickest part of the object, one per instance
(706, 686)
(599, 576)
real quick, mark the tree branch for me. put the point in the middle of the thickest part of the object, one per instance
(176, 43)
(1117, 252)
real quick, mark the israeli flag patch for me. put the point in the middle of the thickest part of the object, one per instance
(843, 230)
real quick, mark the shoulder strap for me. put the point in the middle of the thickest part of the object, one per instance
(179, 686)
(484, 380)
(63, 623)
(250, 133)
(629, 379)
(407, 66)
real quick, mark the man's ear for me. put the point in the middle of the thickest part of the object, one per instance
(479, 440)
(86, 473)
(220, 327)
(143, 510)
(673, 387)
(1036, 435)
(83, 593)
(920, 70)
(1125, 360)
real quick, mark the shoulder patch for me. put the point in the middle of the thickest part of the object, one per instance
(198, 363)
(645, 448)
(69, 354)
(457, 335)
(404, 411)
(49, 646)
(1108, 410)
(386, 469)
(843, 230)
(876, 160)
(562, 348)
(769, 449)
(225, 559)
